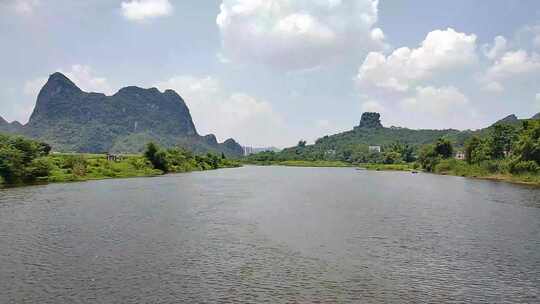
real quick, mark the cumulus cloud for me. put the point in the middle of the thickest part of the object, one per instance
(494, 50)
(441, 50)
(227, 114)
(440, 107)
(510, 65)
(139, 10)
(22, 7)
(85, 78)
(297, 34)
(372, 106)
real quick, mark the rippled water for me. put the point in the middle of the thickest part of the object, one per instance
(271, 235)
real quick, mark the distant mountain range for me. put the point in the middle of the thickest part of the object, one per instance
(72, 120)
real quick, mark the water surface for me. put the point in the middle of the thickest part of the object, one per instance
(271, 235)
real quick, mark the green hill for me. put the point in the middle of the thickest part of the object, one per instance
(353, 145)
(72, 120)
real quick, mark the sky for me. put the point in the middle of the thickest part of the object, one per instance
(272, 72)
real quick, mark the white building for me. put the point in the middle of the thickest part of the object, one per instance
(376, 149)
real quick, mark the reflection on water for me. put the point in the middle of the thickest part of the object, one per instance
(271, 235)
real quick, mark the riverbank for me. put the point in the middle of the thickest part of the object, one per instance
(388, 167)
(493, 170)
(448, 167)
(84, 167)
(300, 163)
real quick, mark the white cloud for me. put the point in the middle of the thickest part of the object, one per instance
(227, 114)
(139, 10)
(498, 47)
(84, 77)
(438, 107)
(537, 102)
(441, 50)
(372, 106)
(510, 65)
(26, 7)
(297, 34)
(493, 86)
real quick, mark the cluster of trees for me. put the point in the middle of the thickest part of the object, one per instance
(517, 148)
(505, 148)
(181, 160)
(23, 160)
(431, 155)
(26, 161)
(394, 153)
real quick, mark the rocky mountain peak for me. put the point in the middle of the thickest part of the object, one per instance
(370, 120)
(58, 80)
(508, 119)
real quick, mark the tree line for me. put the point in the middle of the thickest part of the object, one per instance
(24, 161)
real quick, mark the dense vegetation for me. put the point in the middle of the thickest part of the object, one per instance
(394, 153)
(176, 160)
(24, 161)
(509, 149)
(507, 152)
(398, 144)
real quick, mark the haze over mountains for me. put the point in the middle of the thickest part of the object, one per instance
(72, 120)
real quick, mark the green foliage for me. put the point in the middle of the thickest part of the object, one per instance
(26, 161)
(180, 160)
(444, 148)
(21, 160)
(429, 157)
(501, 140)
(405, 151)
(391, 157)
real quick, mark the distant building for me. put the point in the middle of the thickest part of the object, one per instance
(252, 150)
(114, 157)
(375, 149)
(460, 155)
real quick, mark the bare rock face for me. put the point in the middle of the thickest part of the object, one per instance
(77, 121)
(370, 120)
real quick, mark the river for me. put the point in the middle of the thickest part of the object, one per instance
(272, 235)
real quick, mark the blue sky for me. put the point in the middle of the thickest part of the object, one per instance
(271, 72)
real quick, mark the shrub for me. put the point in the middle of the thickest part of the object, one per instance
(528, 166)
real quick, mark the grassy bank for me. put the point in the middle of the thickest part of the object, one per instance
(84, 167)
(81, 167)
(24, 161)
(492, 170)
(388, 167)
(299, 163)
